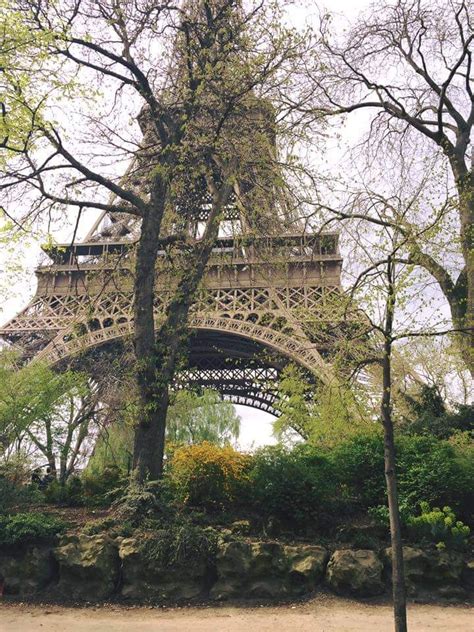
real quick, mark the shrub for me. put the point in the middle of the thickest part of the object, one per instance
(115, 528)
(29, 527)
(181, 544)
(380, 514)
(70, 494)
(438, 526)
(437, 471)
(359, 463)
(429, 469)
(17, 469)
(15, 492)
(298, 487)
(139, 502)
(102, 487)
(209, 476)
(462, 444)
(15, 496)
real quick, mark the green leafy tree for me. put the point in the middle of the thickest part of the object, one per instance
(200, 74)
(322, 415)
(45, 414)
(197, 417)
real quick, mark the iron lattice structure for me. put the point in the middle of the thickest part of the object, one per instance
(264, 301)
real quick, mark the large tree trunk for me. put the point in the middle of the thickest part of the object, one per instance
(458, 292)
(464, 296)
(146, 459)
(170, 342)
(398, 577)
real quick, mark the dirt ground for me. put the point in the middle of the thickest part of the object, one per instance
(322, 614)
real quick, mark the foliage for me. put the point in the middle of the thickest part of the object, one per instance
(101, 488)
(193, 418)
(439, 526)
(70, 494)
(17, 468)
(143, 501)
(112, 450)
(14, 496)
(428, 469)
(293, 405)
(381, 516)
(181, 544)
(462, 444)
(27, 394)
(322, 415)
(29, 527)
(430, 416)
(360, 466)
(209, 476)
(48, 411)
(23, 53)
(14, 489)
(299, 487)
(116, 528)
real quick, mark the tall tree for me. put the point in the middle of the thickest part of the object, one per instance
(410, 64)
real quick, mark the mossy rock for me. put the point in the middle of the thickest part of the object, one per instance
(145, 579)
(88, 567)
(355, 572)
(267, 570)
(28, 571)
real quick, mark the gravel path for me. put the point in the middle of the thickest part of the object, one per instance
(322, 614)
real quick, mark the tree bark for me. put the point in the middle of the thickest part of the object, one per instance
(170, 340)
(464, 297)
(398, 576)
(147, 450)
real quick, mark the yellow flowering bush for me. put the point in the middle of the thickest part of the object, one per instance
(209, 476)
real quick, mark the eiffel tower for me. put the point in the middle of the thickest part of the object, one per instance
(264, 301)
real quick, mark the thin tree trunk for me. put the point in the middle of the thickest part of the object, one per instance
(398, 576)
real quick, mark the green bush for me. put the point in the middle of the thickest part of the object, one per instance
(181, 544)
(438, 526)
(146, 501)
(298, 487)
(16, 491)
(359, 463)
(115, 528)
(29, 527)
(429, 470)
(17, 496)
(69, 495)
(102, 487)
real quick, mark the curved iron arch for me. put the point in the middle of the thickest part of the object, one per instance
(299, 350)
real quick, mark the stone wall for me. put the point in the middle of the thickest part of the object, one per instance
(97, 568)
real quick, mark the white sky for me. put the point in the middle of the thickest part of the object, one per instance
(18, 286)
